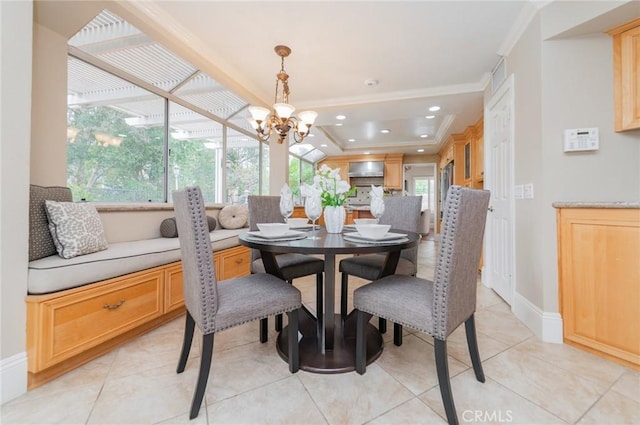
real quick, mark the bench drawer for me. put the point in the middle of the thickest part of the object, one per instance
(67, 325)
(234, 262)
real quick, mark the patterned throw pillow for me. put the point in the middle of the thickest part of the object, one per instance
(76, 228)
(40, 242)
(233, 216)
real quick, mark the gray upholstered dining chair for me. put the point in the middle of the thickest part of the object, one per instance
(402, 213)
(266, 209)
(436, 308)
(215, 306)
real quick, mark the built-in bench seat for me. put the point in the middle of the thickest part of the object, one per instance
(82, 307)
(54, 273)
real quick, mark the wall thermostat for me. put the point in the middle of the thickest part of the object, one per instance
(581, 139)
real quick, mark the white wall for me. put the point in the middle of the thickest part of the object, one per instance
(524, 62)
(15, 88)
(49, 108)
(560, 83)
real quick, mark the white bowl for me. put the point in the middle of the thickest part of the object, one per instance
(273, 229)
(297, 222)
(365, 221)
(373, 231)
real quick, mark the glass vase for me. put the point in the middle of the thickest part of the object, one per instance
(334, 218)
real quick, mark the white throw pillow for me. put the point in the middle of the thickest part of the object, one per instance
(233, 216)
(76, 228)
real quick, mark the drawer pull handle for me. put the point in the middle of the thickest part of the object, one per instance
(239, 260)
(114, 307)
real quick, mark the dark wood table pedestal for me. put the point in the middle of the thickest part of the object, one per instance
(327, 344)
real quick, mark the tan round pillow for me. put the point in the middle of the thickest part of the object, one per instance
(233, 216)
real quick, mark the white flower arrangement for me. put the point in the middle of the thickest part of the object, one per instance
(332, 189)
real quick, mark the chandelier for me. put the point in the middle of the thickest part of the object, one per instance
(280, 119)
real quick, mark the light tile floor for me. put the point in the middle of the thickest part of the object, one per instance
(527, 381)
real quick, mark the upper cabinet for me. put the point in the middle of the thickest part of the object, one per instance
(393, 172)
(466, 150)
(626, 75)
(337, 162)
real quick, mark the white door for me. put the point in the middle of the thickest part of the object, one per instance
(499, 241)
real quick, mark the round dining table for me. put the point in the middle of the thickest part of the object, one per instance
(328, 343)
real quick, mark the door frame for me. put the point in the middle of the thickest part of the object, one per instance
(506, 88)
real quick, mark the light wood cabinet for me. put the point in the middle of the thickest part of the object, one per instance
(68, 328)
(599, 281)
(393, 174)
(478, 155)
(71, 321)
(337, 162)
(626, 75)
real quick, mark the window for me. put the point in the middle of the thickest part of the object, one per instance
(195, 152)
(109, 157)
(425, 186)
(294, 176)
(243, 167)
(152, 122)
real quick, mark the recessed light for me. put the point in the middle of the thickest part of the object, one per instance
(367, 153)
(339, 124)
(424, 136)
(430, 117)
(352, 140)
(341, 117)
(385, 131)
(420, 150)
(324, 145)
(434, 108)
(371, 82)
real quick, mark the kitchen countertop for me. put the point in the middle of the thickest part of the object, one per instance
(619, 204)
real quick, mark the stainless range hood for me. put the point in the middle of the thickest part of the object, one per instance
(366, 169)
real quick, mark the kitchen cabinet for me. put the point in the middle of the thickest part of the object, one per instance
(599, 280)
(337, 162)
(298, 212)
(478, 155)
(393, 174)
(626, 75)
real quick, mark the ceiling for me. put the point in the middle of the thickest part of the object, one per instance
(420, 53)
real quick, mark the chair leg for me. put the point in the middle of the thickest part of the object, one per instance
(382, 325)
(189, 326)
(319, 296)
(203, 375)
(344, 290)
(361, 345)
(397, 335)
(294, 354)
(442, 367)
(278, 324)
(472, 342)
(264, 330)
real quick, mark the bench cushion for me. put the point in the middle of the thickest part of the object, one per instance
(53, 273)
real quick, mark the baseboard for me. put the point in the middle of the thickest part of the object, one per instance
(546, 326)
(13, 377)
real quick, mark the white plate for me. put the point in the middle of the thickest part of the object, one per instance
(389, 236)
(289, 234)
(304, 227)
(349, 227)
(375, 242)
